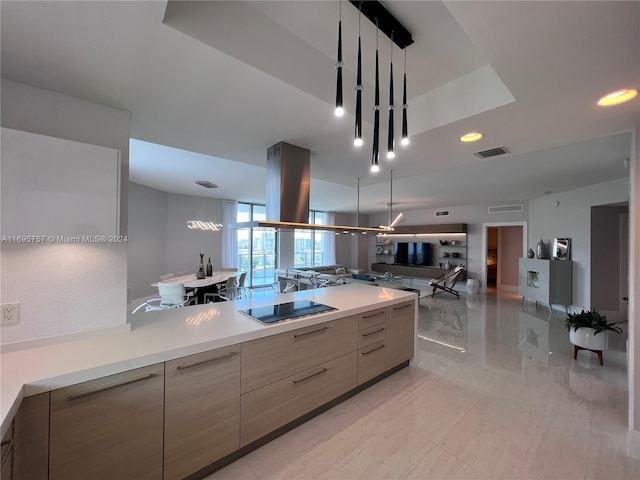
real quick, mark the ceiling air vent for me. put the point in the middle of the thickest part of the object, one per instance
(506, 208)
(442, 213)
(492, 152)
(206, 184)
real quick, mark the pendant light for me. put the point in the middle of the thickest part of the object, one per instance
(395, 222)
(375, 167)
(358, 130)
(339, 64)
(405, 132)
(390, 140)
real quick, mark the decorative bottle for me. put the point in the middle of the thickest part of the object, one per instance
(200, 273)
(209, 268)
(530, 253)
(542, 249)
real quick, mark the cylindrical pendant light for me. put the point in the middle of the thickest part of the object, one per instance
(339, 64)
(375, 164)
(358, 128)
(405, 131)
(390, 140)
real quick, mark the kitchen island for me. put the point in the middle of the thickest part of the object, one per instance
(263, 378)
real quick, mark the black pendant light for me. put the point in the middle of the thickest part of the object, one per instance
(339, 64)
(375, 164)
(405, 132)
(358, 130)
(390, 140)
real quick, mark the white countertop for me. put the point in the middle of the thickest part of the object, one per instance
(165, 335)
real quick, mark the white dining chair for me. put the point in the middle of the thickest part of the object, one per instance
(230, 283)
(233, 293)
(183, 273)
(229, 269)
(241, 279)
(172, 295)
(168, 276)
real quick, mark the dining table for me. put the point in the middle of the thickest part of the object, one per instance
(202, 285)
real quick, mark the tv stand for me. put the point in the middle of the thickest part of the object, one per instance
(411, 271)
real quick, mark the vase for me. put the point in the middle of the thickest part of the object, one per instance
(530, 253)
(200, 273)
(542, 249)
(209, 268)
(585, 337)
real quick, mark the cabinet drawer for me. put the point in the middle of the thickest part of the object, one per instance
(371, 361)
(371, 335)
(400, 333)
(270, 407)
(270, 359)
(109, 428)
(369, 319)
(202, 410)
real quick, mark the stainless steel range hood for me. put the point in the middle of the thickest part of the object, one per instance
(288, 182)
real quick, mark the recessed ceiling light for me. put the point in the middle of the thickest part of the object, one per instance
(617, 97)
(471, 137)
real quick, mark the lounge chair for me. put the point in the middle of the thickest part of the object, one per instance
(447, 281)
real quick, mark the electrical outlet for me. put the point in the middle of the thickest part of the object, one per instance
(10, 313)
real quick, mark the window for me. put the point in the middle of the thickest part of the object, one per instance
(310, 246)
(256, 247)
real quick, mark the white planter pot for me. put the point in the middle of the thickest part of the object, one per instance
(585, 337)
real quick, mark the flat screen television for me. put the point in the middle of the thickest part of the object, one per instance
(412, 253)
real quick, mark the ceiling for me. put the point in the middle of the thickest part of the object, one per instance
(220, 82)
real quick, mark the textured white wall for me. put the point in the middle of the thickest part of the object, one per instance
(572, 219)
(147, 258)
(65, 289)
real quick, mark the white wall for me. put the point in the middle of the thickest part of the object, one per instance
(634, 298)
(65, 289)
(147, 258)
(473, 215)
(572, 219)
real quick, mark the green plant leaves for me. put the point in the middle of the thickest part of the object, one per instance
(591, 319)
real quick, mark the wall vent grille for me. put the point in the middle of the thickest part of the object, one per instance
(443, 213)
(506, 208)
(492, 152)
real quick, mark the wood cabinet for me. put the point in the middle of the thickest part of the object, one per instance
(202, 410)
(274, 405)
(31, 435)
(6, 455)
(546, 281)
(371, 344)
(269, 359)
(109, 428)
(400, 337)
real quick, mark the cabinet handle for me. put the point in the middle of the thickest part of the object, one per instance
(373, 314)
(110, 387)
(404, 306)
(224, 357)
(309, 333)
(310, 376)
(7, 452)
(371, 333)
(371, 351)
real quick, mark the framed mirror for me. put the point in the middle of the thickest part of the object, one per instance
(562, 249)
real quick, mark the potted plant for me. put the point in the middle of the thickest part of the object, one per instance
(590, 329)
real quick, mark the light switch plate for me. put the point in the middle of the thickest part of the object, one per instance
(10, 313)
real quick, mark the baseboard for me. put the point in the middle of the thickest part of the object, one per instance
(69, 337)
(508, 288)
(634, 444)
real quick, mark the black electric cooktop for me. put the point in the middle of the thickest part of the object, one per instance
(286, 311)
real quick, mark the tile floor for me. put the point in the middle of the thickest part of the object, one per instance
(495, 393)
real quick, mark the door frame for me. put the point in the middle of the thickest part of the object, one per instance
(483, 259)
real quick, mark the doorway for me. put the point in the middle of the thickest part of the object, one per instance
(503, 244)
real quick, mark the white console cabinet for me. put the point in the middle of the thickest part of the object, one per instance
(546, 281)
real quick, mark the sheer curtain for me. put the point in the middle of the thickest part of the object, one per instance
(329, 242)
(229, 235)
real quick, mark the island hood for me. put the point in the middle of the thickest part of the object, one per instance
(287, 199)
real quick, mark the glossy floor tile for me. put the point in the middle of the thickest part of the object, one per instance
(494, 393)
